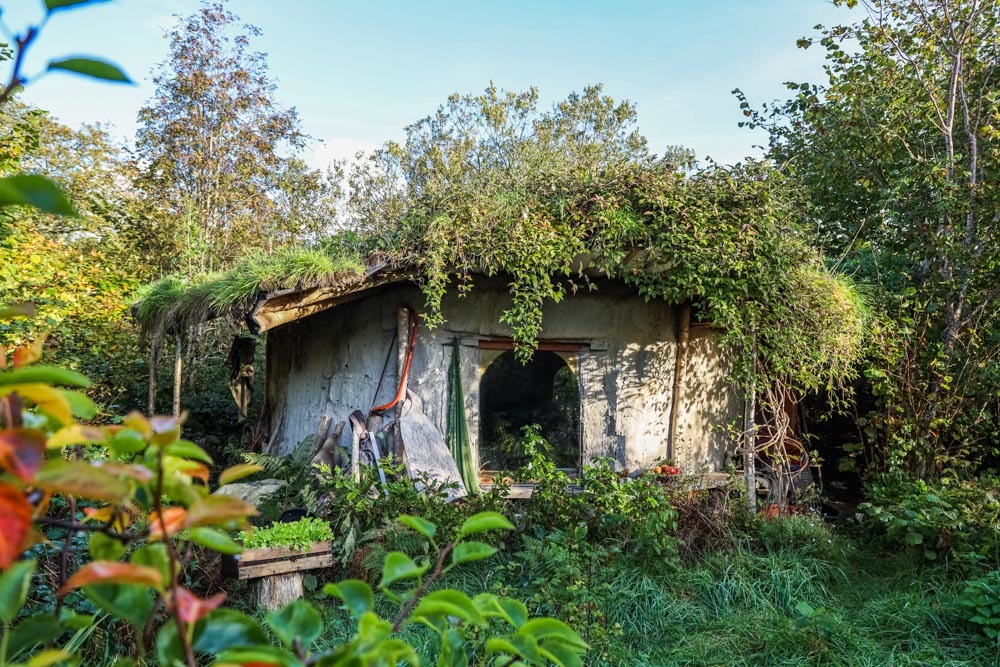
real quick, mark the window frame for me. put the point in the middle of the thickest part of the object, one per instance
(563, 347)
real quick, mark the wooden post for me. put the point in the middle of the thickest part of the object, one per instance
(355, 455)
(683, 335)
(750, 438)
(154, 360)
(178, 356)
(403, 336)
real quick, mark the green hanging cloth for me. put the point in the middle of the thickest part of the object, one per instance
(458, 428)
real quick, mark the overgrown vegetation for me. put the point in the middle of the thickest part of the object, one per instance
(889, 169)
(554, 202)
(897, 154)
(711, 585)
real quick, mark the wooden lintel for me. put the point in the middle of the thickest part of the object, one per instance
(551, 345)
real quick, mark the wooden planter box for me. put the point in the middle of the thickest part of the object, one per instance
(255, 563)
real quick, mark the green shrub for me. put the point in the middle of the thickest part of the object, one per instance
(634, 514)
(980, 604)
(956, 519)
(298, 535)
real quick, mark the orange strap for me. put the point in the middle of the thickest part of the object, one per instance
(406, 367)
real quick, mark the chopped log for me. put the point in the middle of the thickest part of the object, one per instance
(320, 439)
(328, 453)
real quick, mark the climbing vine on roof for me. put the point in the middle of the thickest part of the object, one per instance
(491, 184)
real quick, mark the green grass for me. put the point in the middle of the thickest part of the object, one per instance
(744, 606)
(161, 305)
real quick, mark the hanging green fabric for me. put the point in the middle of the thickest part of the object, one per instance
(457, 436)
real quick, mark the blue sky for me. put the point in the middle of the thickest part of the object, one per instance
(358, 72)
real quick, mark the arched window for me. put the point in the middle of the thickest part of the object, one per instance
(512, 395)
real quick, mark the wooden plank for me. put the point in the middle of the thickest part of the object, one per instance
(286, 306)
(551, 345)
(271, 553)
(285, 566)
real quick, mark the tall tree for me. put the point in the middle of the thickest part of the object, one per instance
(216, 149)
(899, 151)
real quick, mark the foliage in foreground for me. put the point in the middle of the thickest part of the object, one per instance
(789, 591)
(114, 483)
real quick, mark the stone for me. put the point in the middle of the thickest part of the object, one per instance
(252, 492)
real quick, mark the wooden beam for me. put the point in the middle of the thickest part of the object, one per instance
(683, 336)
(551, 345)
(154, 361)
(290, 305)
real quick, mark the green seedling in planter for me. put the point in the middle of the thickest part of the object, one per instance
(297, 535)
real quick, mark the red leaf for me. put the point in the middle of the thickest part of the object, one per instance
(191, 608)
(21, 452)
(198, 471)
(29, 354)
(15, 524)
(172, 521)
(110, 572)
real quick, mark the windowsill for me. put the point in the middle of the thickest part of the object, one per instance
(521, 490)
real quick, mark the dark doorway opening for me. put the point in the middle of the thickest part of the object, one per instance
(512, 395)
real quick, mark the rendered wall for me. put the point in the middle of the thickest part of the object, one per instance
(330, 364)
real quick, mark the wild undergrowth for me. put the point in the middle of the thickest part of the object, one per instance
(823, 600)
(787, 591)
(649, 572)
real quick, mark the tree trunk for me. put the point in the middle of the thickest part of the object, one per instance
(178, 364)
(154, 359)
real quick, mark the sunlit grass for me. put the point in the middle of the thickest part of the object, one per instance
(172, 301)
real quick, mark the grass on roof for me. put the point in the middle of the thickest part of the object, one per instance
(172, 300)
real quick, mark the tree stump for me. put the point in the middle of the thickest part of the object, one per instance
(277, 590)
